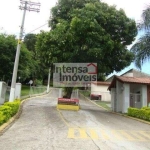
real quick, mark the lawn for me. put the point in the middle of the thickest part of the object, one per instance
(25, 90)
(34, 90)
(104, 104)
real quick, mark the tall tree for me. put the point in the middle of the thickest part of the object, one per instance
(141, 48)
(8, 44)
(88, 31)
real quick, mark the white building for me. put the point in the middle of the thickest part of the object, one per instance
(101, 89)
(129, 92)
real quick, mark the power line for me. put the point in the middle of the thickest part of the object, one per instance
(37, 28)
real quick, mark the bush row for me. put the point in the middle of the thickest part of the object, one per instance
(8, 110)
(143, 113)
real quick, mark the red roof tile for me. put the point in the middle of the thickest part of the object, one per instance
(134, 80)
(124, 79)
(101, 83)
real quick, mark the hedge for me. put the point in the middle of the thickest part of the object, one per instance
(8, 110)
(143, 113)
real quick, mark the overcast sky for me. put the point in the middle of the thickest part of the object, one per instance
(11, 16)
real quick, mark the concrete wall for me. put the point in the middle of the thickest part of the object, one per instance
(144, 95)
(119, 96)
(126, 98)
(113, 99)
(101, 90)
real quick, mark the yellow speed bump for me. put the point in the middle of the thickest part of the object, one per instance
(68, 107)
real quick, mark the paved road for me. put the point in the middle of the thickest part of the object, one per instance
(42, 127)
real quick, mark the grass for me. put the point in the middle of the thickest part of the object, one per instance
(25, 90)
(104, 104)
(85, 93)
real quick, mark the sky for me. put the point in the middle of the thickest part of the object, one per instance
(11, 16)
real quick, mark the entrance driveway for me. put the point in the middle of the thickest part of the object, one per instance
(42, 127)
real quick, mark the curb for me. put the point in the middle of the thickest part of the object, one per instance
(9, 123)
(143, 121)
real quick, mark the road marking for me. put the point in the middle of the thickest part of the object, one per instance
(145, 133)
(77, 133)
(93, 134)
(97, 134)
(116, 135)
(126, 135)
(104, 135)
(137, 135)
(71, 133)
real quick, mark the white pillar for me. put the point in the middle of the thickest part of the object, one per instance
(18, 91)
(126, 98)
(48, 82)
(113, 92)
(3, 87)
(144, 95)
(119, 94)
(60, 93)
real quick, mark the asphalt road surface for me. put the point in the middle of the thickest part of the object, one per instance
(42, 127)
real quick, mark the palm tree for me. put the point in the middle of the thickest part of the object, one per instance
(141, 49)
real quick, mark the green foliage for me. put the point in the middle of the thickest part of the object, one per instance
(14, 106)
(141, 48)
(88, 31)
(39, 67)
(143, 113)
(2, 118)
(84, 31)
(8, 45)
(8, 110)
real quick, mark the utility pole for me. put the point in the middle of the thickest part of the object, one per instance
(30, 6)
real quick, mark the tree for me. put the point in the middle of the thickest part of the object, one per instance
(8, 45)
(88, 31)
(39, 70)
(141, 48)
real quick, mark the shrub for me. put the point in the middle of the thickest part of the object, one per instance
(146, 108)
(2, 118)
(14, 106)
(143, 113)
(8, 110)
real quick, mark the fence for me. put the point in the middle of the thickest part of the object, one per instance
(35, 90)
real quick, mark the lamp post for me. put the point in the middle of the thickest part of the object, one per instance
(48, 82)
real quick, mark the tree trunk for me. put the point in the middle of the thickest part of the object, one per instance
(67, 92)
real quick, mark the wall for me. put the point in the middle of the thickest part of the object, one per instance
(101, 90)
(119, 96)
(113, 99)
(126, 98)
(144, 95)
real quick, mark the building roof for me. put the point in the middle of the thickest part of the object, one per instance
(101, 83)
(124, 79)
(136, 73)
